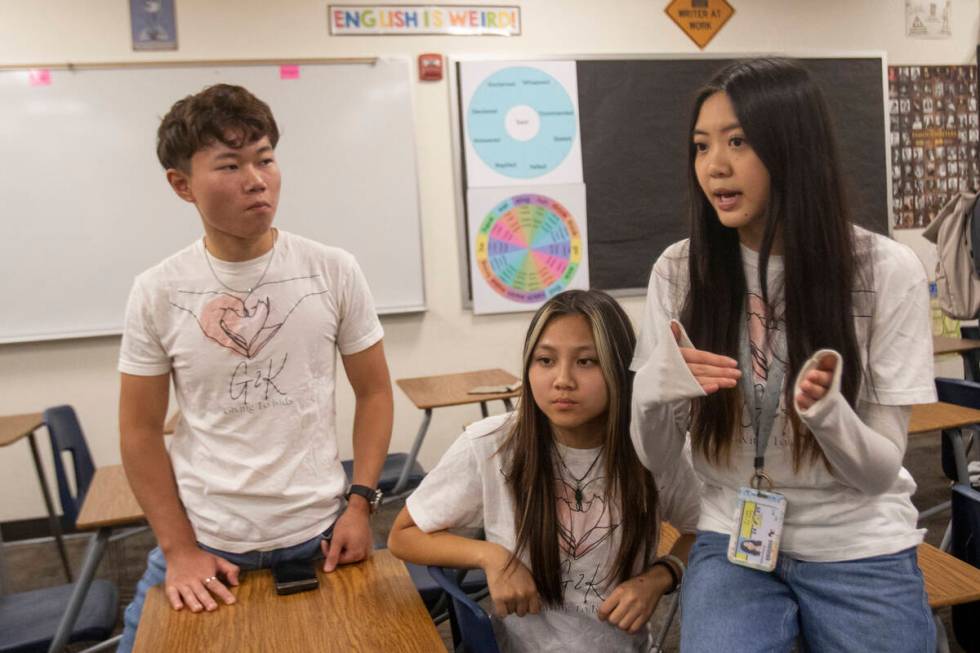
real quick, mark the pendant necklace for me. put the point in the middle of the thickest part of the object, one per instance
(578, 481)
(248, 291)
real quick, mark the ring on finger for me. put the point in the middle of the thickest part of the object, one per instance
(209, 579)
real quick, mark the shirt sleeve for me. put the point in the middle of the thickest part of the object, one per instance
(663, 385)
(864, 454)
(451, 495)
(679, 494)
(359, 324)
(900, 357)
(141, 352)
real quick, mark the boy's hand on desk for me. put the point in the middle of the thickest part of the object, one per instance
(193, 576)
(351, 540)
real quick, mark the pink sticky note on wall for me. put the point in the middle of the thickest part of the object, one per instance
(289, 71)
(39, 77)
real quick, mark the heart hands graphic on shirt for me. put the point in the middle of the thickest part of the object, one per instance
(232, 323)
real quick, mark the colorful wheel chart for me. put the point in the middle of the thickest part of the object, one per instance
(521, 122)
(528, 248)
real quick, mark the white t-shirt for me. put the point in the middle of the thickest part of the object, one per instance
(827, 518)
(468, 488)
(255, 453)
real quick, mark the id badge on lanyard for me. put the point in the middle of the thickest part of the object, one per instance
(759, 513)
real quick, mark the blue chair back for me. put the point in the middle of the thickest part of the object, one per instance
(962, 393)
(66, 435)
(971, 359)
(469, 620)
(966, 546)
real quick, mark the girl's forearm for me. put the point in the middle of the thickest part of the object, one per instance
(408, 542)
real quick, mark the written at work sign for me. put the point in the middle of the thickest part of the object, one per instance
(700, 19)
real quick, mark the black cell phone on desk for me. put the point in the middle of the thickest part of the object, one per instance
(295, 576)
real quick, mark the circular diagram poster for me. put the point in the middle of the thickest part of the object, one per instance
(520, 123)
(526, 246)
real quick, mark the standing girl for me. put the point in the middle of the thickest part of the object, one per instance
(571, 516)
(809, 341)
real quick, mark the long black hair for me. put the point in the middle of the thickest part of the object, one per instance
(786, 122)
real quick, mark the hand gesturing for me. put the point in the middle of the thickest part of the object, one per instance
(712, 371)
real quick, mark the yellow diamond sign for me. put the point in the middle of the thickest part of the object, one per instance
(700, 19)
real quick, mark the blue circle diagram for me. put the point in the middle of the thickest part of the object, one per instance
(521, 122)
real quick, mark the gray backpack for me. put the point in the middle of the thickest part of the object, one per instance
(956, 276)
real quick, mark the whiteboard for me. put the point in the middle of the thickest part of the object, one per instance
(87, 207)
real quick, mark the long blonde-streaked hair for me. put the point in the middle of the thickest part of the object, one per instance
(528, 459)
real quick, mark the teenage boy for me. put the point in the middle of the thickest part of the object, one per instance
(247, 322)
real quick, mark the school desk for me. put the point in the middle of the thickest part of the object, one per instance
(109, 504)
(369, 606)
(941, 416)
(429, 392)
(12, 429)
(944, 345)
(949, 581)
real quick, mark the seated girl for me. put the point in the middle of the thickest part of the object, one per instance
(572, 518)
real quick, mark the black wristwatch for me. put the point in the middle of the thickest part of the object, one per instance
(373, 495)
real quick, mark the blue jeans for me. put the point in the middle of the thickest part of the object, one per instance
(871, 604)
(156, 573)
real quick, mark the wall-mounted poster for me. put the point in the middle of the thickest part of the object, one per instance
(934, 138)
(928, 19)
(520, 123)
(529, 243)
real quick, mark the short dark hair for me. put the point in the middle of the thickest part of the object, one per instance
(220, 113)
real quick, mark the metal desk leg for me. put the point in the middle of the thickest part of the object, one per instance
(413, 454)
(942, 641)
(959, 455)
(3, 569)
(508, 404)
(93, 556)
(483, 410)
(53, 522)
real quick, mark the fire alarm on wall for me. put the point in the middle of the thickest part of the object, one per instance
(430, 67)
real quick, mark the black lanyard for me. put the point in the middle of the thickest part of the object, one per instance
(762, 419)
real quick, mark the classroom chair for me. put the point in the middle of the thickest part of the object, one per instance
(971, 359)
(29, 620)
(471, 627)
(473, 582)
(962, 393)
(966, 547)
(67, 437)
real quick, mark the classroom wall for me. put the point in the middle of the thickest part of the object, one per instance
(446, 338)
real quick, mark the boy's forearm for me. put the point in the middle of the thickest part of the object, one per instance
(151, 478)
(373, 415)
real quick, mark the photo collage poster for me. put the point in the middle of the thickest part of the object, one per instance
(934, 138)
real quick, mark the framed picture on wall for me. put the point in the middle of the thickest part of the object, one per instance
(153, 24)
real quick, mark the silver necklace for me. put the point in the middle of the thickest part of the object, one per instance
(207, 258)
(579, 497)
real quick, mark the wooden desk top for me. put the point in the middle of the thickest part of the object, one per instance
(109, 501)
(453, 389)
(15, 427)
(371, 606)
(939, 416)
(949, 580)
(944, 345)
(668, 535)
